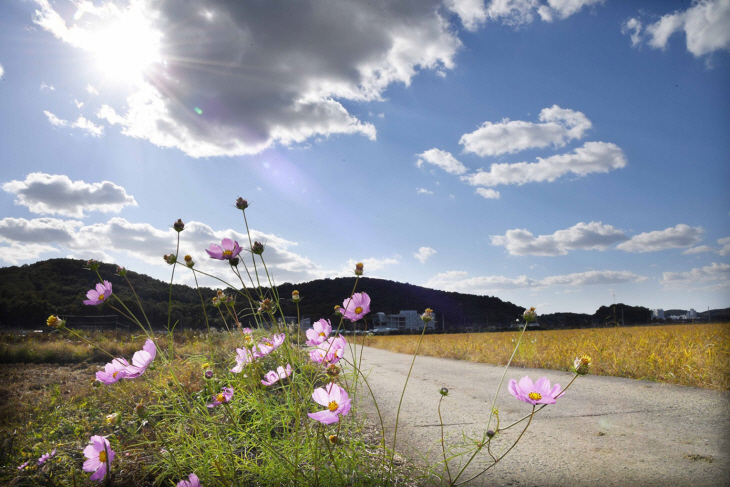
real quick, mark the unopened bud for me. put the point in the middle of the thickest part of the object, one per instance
(208, 374)
(170, 258)
(333, 371)
(234, 261)
(241, 204)
(92, 265)
(140, 410)
(265, 306)
(121, 271)
(55, 322)
(491, 433)
(359, 269)
(257, 248)
(112, 419)
(189, 261)
(444, 391)
(529, 315)
(427, 315)
(295, 296)
(179, 226)
(338, 310)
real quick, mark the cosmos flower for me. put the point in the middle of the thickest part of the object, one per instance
(335, 399)
(23, 465)
(45, 457)
(356, 307)
(319, 332)
(244, 357)
(329, 351)
(113, 371)
(537, 393)
(274, 376)
(99, 457)
(100, 294)
(141, 360)
(192, 482)
(222, 397)
(268, 345)
(228, 249)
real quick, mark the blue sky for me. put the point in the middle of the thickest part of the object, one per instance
(550, 153)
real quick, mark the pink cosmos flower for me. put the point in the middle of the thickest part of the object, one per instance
(273, 376)
(537, 393)
(192, 482)
(99, 456)
(45, 457)
(113, 371)
(228, 249)
(356, 307)
(329, 351)
(23, 465)
(268, 345)
(100, 294)
(224, 396)
(335, 399)
(141, 360)
(319, 332)
(244, 357)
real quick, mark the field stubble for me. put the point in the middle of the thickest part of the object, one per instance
(696, 355)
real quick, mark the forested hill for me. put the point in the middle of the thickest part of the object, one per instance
(30, 293)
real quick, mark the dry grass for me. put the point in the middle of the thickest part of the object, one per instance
(690, 355)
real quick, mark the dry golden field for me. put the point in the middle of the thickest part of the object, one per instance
(690, 355)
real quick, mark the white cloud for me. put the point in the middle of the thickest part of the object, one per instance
(2, 71)
(714, 276)
(558, 126)
(489, 194)
(16, 253)
(725, 249)
(423, 191)
(472, 13)
(91, 90)
(442, 159)
(261, 76)
(80, 123)
(581, 236)
(706, 25)
(424, 253)
(45, 87)
(698, 250)
(459, 282)
(632, 27)
(671, 238)
(592, 157)
(57, 194)
(517, 12)
(39, 230)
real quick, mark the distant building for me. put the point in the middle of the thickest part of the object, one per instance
(692, 315)
(403, 321)
(657, 314)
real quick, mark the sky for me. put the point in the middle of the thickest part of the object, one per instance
(563, 154)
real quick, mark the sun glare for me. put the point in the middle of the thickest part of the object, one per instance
(126, 46)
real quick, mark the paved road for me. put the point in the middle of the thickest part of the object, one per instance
(604, 431)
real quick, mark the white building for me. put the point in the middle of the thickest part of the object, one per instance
(692, 315)
(404, 320)
(657, 314)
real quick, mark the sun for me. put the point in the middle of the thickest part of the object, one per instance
(126, 46)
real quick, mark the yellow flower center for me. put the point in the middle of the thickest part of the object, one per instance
(220, 397)
(114, 375)
(535, 396)
(322, 334)
(102, 456)
(268, 344)
(333, 406)
(101, 297)
(358, 310)
(227, 253)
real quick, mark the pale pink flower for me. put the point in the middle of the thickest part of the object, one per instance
(330, 351)
(335, 399)
(222, 397)
(99, 456)
(142, 359)
(228, 249)
(192, 482)
(268, 345)
(113, 371)
(319, 332)
(356, 307)
(243, 358)
(23, 465)
(44, 458)
(537, 393)
(274, 376)
(100, 294)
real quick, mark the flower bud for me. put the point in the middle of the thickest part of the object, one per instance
(444, 391)
(529, 315)
(140, 410)
(491, 433)
(208, 374)
(170, 258)
(234, 261)
(121, 271)
(338, 310)
(265, 306)
(179, 226)
(55, 322)
(112, 419)
(257, 248)
(241, 203)
(333, 371)
(582, 364)
(216, 302)
(427, 315)
(92, 265)
(295, 296)
(334, 439)
(359, 269)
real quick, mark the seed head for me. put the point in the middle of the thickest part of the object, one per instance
(295, 296)
(189, 261)
(529, 315)
(427, 315)
(582, 364)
